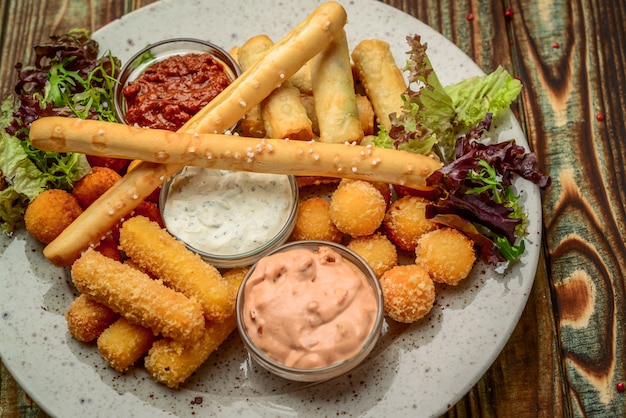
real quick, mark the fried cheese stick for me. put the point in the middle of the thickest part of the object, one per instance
(87, 319)
(137, 297)
(300, 158)
(170, 363)
(123, 343)
(162, 255)
(286, 57)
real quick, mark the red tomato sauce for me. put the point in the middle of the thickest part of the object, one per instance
(171, 91)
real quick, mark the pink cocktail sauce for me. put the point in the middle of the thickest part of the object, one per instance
(308, 309)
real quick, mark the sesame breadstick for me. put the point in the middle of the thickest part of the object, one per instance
(300, 158)
(285, 58)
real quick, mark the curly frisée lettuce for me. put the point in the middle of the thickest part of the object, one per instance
(68, 79)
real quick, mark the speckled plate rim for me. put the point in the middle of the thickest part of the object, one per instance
(418, 370)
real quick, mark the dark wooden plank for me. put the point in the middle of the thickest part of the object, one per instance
(572, 64)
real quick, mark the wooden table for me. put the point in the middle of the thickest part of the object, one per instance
(566, 356)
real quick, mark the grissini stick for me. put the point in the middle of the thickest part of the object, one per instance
(305, 41)
(228, 152)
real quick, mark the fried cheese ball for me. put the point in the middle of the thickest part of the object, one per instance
(357, 207)
(377, 251)
(405, 221)
(313, 221)
(408, 292)
(447, 254)
(50, 213)
(91, 186)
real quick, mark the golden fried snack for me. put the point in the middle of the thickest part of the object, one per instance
(334, 95)
(89, 188)
(137, 297)
(282, 113)
(302, 79)
(447, 254)
(50, 213)
(365, 110)
(171, 363)
(405, 221)
(313, 221)
(357, 208)
(87, 319)
(123, 343)
(377, 251)
(309, 106)
(408, 292)
(167, 258)
(283, 60)
(381, 77)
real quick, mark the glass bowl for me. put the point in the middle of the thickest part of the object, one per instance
(160, 51)
(231, 219)
(309, 370)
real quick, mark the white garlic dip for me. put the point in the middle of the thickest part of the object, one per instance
(226, 213)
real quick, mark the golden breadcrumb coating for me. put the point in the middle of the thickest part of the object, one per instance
(138, 297)
(93, 185)
(50, 213)
(123, 343)
(377, 251)
(86, 318)
(357, 207)
(165, 257)
(447, 254)
(405, 221)
(408, 293)
(313, 221)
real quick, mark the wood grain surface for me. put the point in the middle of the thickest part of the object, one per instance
(566, 355)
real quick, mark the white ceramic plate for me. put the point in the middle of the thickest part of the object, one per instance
(418, 370)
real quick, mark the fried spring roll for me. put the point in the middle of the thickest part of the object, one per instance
(381, 77)
(283, 60)
(334, 95)
(282, 113)
(123, 343)
(137, 297)
(87, 319)
(167, 258)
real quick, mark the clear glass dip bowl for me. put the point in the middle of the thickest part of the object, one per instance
(161, 50)
(213, 235)
(338, 368)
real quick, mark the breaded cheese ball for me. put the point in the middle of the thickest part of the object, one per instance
(313, 221)
(93, 185)
(50, 213)
(377, 251)
(447, 254)
(357, 208)
(408, 293)
(405, 221)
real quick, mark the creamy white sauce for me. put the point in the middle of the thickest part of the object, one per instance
(226, 213)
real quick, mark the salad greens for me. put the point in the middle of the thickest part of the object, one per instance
(473, 190)
(68, 79)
